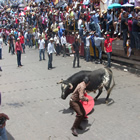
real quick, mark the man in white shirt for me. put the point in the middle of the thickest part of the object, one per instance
(87, 47)
(63, 43)
(41, 46)
(57, 44)
(36, 36)
(50, 51)
(98, 40)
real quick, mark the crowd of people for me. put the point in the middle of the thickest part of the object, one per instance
(37, 23)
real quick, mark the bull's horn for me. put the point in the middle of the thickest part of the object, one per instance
(71, 86)
(60, 81)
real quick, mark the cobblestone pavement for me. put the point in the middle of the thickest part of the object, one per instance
(31, 98)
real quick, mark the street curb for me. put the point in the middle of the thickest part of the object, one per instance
(126, 68)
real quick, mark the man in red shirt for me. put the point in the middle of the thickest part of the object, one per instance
(21, 37)
(108, 48)
(18, 50)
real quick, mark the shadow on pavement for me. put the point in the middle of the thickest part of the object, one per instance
(9, 136)
(68, 110)
(102, 101)
(16, 105)
(86, 126)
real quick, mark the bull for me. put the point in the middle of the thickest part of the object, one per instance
(99, 78)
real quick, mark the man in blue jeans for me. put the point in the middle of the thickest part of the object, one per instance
(50, 51)
(98, 40)
(41, 47)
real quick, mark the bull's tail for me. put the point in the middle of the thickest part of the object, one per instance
(112, 81)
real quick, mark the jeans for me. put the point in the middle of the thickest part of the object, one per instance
(137, 39)
(107, 25)
(50, 61)
(30, 43)
(109, 59)
(23, 47)
(0, 53)
(87, 53)
(124, 38)
(57, 49)
(64, 50)
(11, 48)
(3, 135)
(36, 43)
(100, 51)
(19, 58)
(42, 51)
(76, 56)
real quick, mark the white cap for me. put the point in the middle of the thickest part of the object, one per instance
(51, 39)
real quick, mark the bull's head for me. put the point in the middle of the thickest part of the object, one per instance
(66, 88)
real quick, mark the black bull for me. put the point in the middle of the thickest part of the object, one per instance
(100, 78)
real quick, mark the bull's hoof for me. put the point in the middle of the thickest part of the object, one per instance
(106, 101)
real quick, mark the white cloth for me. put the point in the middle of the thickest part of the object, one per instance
(41, 43)
(1, 42)
(56, 39)
(36, 35)
(50, 48)
(63, 40)
(98, 40)
(25, 35)
(79, 23)
(87, 41)
(61, 25)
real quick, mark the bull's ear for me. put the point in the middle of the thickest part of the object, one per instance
(60, 81)
(70, 86)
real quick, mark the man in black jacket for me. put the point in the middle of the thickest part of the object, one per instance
(76, 50)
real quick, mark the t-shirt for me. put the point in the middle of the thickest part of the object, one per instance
(123, 25)
(21, 39)
(76, 47)
(41, 43)
(108, 44)
(135, 27)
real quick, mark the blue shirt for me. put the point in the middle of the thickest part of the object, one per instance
(94, 18)
(16, 34)
(92, 40)
(109, 18)
(60, 32)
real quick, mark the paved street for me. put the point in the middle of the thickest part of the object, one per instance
(31, 98)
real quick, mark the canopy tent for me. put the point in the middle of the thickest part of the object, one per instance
(114, 5)
(127, 5)
(22, 14)
(21, 5)
(26, 8)
(60, 4)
